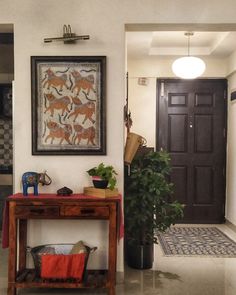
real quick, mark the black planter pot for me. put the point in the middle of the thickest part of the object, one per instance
(100, 183)
(140, 257)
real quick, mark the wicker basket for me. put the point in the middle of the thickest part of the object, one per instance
(59, 251)
(133, 142)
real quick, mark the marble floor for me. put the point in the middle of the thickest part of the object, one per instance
(169, 276)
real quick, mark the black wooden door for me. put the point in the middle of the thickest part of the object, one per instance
(191, 126)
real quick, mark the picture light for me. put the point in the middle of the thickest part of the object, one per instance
(68, 36)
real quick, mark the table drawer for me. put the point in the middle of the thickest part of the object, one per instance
(37, 211)
(86, 211)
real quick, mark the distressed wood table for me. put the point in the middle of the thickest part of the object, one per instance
(50, 206)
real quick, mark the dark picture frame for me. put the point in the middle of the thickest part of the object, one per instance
(68, 105)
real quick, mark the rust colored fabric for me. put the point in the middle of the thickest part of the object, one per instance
(63, 266)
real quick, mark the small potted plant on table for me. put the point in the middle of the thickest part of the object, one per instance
(103, 176)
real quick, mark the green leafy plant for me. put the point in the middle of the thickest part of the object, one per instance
(148, 204)
(106, 173)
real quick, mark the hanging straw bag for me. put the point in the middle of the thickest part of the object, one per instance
(132, 144)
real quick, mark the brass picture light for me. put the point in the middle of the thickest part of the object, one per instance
(68, 36)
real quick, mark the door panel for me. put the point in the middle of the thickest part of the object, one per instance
(203, 125)
(191, 120)
(177, 133)
(203, 99)
(179, 177)
(203, 185)
(177, 99)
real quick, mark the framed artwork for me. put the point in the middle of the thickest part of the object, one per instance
(68, 105)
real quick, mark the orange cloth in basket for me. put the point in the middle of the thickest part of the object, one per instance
(59, 266)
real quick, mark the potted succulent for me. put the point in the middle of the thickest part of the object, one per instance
(103, 176)
(148, 206)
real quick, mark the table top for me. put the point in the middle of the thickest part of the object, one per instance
(54, 197)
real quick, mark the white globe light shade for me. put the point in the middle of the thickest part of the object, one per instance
(188, 67)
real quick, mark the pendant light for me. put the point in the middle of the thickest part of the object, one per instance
(188, 67)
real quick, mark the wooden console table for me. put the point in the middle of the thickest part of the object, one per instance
(49, 206)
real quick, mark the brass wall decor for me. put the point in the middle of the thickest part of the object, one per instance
(68, 36)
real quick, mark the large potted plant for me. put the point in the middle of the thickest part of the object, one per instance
(103, 176)
(148, 206)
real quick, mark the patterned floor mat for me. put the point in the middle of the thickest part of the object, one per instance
(196, 241)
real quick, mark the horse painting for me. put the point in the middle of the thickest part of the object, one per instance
(54, 80)
(87, 109)
(61, 103)
(68, 105)
(56, 131)
(81, 82)
(84, 133)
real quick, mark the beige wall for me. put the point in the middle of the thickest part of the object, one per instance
(231, 158)
(142, 104)
(104, 21)
(231, 144)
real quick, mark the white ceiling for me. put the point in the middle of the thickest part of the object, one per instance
(172, 43)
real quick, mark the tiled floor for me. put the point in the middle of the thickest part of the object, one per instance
(169, 276)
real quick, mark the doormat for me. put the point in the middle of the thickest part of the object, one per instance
(196, 241)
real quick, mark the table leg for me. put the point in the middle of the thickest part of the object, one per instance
(22, 243)
(111, 290)
(112, 249)
(12, 250)
(11, 290)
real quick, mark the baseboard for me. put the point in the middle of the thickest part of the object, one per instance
(230, 225)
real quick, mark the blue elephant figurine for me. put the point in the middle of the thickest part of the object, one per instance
(32, 179)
